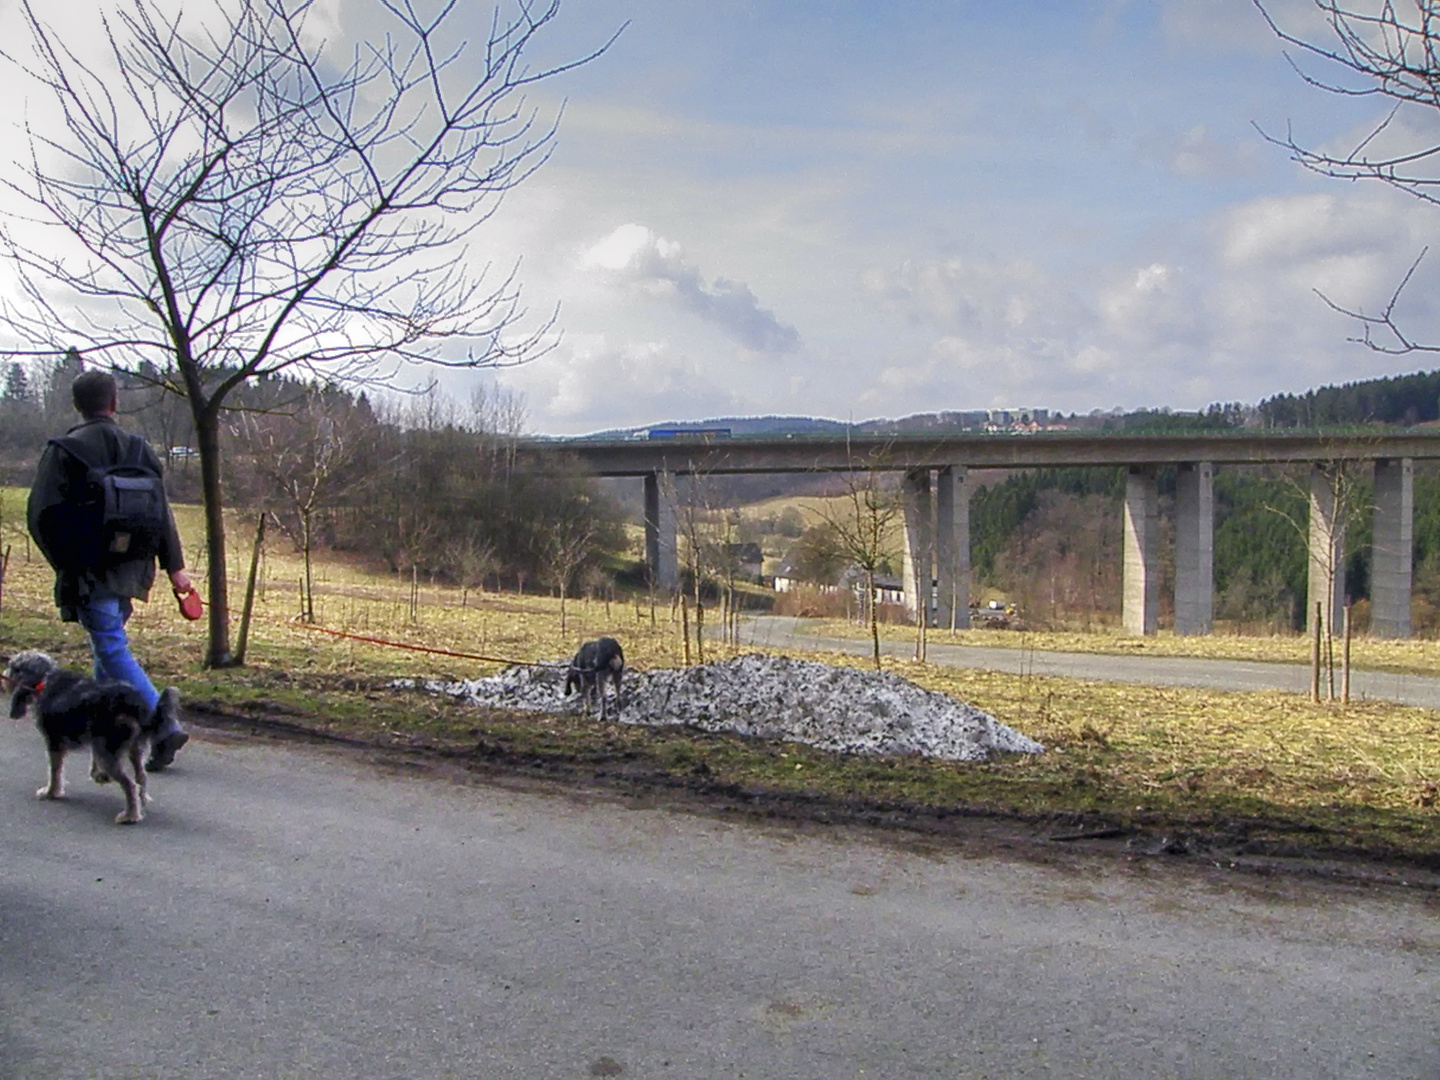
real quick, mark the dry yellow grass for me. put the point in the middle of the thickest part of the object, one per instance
(1413, 657)
(358, 600)
(1361, 776)
(1191, 748)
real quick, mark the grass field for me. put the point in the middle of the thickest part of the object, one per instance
(1270, 768)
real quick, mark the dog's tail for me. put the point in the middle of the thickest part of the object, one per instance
(126, 704)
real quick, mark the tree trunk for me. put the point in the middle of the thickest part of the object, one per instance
(207, 435)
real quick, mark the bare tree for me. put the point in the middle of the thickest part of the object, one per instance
(1063, 560)
(1388, 50)
(692, 496)
(727, 552)
(499, 415)
(234, 199)
(1336, 499)
(566, 541)
(302, 458)
(863, 524)
(471, 560)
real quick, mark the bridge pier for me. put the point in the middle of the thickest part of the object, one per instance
(952, 546)
(661, 546)
(1195, 549)
(1326, 581)
(937, 543)
(1141, 568)
(1392, 550)
(919, 571)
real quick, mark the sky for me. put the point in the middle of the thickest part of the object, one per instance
(864, 209)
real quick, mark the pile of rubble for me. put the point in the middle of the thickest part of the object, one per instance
(834, 708)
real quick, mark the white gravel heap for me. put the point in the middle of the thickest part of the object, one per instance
(773, 697)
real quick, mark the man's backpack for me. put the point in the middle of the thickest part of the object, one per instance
(118, 515)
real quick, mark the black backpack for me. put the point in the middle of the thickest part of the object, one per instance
(120, 514)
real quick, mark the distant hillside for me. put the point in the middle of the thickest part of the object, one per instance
(738, 425)
(1400, 399)
(1216, 417)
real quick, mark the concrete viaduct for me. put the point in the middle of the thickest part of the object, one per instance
(936, 495)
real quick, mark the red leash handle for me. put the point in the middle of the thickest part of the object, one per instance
(191, 606)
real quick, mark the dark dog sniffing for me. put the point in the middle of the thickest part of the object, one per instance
(593, 664)
(72, 711)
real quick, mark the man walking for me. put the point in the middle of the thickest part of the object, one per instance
(96, 589)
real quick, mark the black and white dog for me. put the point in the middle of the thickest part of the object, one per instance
(72, 711)
(593, 664)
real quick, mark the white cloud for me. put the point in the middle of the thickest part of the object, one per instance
(1229, 312)
(591, 381)
(636, 257)
(1290, 230)
(1198, 155)
(1236, 25)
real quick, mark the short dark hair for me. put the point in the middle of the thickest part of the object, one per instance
(94, 392)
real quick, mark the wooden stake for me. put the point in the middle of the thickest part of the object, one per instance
(1330, 659)
(685, 626)
(1345, 659)
(1315, 656)
(244, 634)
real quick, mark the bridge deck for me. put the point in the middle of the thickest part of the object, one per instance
(979, 451)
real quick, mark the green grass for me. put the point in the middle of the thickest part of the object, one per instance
(1264, 768)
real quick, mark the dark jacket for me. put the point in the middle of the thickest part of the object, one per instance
(59, 474)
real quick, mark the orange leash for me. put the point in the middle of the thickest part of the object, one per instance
(197, 602)
(427, 648)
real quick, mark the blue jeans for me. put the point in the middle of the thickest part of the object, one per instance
(103, 617)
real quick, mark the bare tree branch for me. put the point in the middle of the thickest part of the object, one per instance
(232, 201)
(1389, 50)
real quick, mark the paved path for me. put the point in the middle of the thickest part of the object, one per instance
(1422, 690)
(287, 912)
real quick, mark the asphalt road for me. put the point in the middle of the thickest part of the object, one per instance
(291, 912)
(1421, 690)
